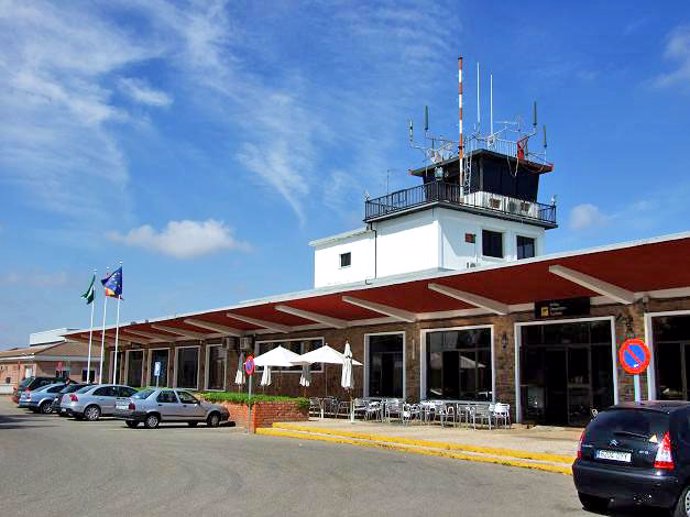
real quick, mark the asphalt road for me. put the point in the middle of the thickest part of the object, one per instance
(51, 465)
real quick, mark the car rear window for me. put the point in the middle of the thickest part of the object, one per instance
(634, 423)
(72, 388)
(26, 382)
(85, 389)
(143, 394)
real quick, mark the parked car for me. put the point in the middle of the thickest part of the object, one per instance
(69, 388)
(31, 383)
(638, 453)
(94, 401)
(40, 399)
(155, 405)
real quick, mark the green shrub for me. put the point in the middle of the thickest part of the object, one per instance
(243, 398)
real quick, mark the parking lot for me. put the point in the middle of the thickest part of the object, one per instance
(52, 464)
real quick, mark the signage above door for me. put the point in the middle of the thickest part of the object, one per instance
(562, 308)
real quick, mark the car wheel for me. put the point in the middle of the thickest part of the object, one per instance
(131, 424)
(192, 424)
(92, 413)
(152, 421)
(213, 420)
(46, 408)
(593, 503)
(683, 505)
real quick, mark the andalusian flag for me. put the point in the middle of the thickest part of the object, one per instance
(90, 292)
(113, 284)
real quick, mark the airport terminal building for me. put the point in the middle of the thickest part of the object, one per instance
(446, 294)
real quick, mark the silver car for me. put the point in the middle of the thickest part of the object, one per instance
(40, 399)
(95, 401)
(155, 405)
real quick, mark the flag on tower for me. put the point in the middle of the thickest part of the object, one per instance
(90, 292)
(113, 284)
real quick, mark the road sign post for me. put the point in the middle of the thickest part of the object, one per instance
(249, 370)
(634, 357)
(157, 371)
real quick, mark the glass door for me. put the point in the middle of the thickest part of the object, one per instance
(386, 366)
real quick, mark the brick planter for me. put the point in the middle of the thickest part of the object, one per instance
(265, 413)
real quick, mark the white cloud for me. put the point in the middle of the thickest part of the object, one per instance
(140, 91)
(34, 279)
(678, 50)
(183, 239)
(585, 217)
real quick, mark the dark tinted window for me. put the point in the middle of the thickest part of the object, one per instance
(492, 244)
(525, 247)
(640, 422)
(55, 389)
(345, 259)
(71, 388)
(143, 394)
(186, 398)
(126, 391)
(104, 391)
(166, 397)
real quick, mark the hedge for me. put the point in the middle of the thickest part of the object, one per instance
(243, 398)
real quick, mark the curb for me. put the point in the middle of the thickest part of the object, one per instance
(493, 451)
(304, 435)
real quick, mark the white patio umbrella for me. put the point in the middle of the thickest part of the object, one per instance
(305, 378)
(278, 357)
(325, 355)
(347, 381)
(266, 376)
(239, 375)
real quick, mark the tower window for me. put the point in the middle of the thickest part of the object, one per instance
(492, 244)
(525, 247)
(345, 259)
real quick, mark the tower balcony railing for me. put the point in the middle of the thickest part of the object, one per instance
(451, 195)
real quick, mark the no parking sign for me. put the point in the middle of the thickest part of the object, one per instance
(634, 356)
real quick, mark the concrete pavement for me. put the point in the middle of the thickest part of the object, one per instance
(55, 465)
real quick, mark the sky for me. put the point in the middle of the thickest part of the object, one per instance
(204, 144)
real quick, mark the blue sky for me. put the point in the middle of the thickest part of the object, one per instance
(205, 143)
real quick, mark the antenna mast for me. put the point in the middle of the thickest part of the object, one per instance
(461, 145)
(479, 103)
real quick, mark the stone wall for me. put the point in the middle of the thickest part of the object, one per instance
(264, 414)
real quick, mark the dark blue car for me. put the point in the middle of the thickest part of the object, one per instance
(636, 453)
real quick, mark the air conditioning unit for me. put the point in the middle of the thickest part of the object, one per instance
(247, 343)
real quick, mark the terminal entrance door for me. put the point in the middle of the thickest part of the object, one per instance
(566, 371)
(386, 365)
(672, 357)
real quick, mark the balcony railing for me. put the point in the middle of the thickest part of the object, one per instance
(451, 194)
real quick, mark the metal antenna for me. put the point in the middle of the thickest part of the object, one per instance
(545, 145)
(479, 104)
(426, 119)
(461, 145)
(491, 102)
(534, 113)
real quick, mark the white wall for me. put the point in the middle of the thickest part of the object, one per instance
(418, 241)
(408, 243)
(456, 253)
(327, 270)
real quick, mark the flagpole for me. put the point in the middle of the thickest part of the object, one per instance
(117, 328)
(105, 310)
(117, 335)
(88, 363)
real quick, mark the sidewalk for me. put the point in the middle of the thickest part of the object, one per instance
(544, 448)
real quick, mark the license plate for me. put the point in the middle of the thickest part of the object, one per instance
(122, 406)
(624, 457)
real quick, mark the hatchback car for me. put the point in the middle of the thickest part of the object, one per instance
(155, 405)
(636, 453)
(31, 383)
(40, 399)
(95, 401)
(69, 388)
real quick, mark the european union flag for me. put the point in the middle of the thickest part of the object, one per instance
(113, 283)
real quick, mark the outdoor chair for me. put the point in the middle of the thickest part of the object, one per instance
(444, 413)
(342, 408)
(501, 412)
(314, 407)
(360, 408)
(483, 413)
(410, 412)
(374, 410)
(394, 409)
